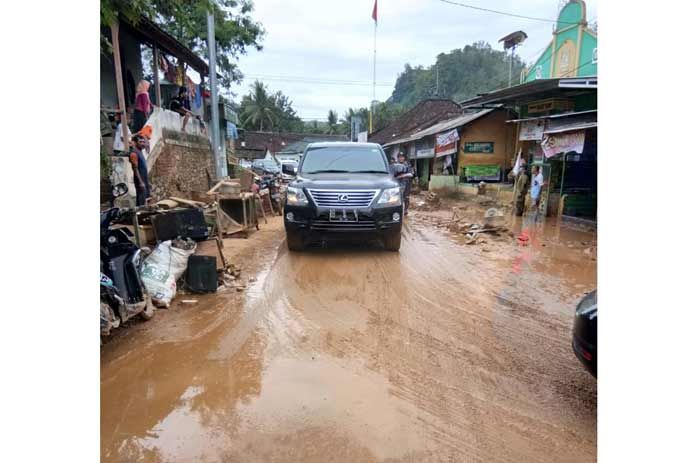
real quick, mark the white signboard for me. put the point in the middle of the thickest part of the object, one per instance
(425, 153)
(565, 142)
(531, 130)
(447, 138)
(362, 137)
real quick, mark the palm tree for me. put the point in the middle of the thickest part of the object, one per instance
(332, 121)
(258, 106)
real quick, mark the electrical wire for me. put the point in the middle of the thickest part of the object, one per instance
(505, 13)
(313, 80)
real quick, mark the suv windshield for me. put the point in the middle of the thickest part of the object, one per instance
(342, 159)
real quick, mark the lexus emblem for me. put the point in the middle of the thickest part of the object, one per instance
(343, 198)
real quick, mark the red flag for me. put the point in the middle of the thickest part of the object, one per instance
(374, 11)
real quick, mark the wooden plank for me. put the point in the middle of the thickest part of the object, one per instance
(120, 82)
(187, 202)
(156, 76)
(167, 204)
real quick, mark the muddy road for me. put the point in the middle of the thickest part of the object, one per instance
(442, 352)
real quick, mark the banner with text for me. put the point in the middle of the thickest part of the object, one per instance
(564, 142)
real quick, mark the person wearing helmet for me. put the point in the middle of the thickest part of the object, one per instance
(403, 172)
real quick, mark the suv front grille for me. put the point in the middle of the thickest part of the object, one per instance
(343, 199)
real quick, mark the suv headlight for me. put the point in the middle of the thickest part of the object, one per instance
(296, 196)
(390, 196)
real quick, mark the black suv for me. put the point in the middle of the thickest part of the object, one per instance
(344, 190)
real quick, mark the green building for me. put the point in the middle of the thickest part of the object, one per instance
(573, 50)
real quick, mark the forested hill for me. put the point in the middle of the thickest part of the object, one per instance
(464, 73)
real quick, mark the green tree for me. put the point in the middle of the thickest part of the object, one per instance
(332, 121)
(262, 110)
(457, 75)
(186, 20)
(258, 108)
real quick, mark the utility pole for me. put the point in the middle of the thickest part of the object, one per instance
(437, 78)
(510, 67)
(214, 123)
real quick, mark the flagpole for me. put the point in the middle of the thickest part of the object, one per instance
(374, 78)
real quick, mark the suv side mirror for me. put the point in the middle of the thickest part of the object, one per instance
(288, 169)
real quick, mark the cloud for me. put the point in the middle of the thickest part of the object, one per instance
(333, 40)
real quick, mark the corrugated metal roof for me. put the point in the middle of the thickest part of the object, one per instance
(572, 126)
(442, 126)
(553, 116)
(535, 89)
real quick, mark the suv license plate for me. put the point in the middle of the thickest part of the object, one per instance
(343, 215)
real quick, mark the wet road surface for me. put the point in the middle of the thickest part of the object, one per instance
(442, 352)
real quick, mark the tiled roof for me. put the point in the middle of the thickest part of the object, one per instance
(422, 115)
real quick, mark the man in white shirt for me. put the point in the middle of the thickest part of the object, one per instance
(536, 186)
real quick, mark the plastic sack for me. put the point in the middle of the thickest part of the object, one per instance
(162, 269)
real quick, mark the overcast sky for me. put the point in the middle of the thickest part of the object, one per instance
(333, 40)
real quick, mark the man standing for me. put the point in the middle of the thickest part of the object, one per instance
(403, 172)
(521, 182)
(140, 167)
(536, 187)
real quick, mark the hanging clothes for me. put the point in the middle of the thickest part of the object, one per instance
(231, 130)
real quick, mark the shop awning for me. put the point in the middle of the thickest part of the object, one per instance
(535, 90)
(571, 127)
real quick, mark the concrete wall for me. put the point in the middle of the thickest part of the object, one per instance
(184, 167)
(440, 182)
(490, 128)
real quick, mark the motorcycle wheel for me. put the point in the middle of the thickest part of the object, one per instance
(149, 311)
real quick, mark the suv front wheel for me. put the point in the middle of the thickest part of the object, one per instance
(392, 240)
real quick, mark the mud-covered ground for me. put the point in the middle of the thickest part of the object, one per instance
(441, 352)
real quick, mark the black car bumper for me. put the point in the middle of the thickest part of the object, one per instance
(586, 353)
(312, 220)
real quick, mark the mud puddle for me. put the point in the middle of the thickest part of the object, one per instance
(435, 353)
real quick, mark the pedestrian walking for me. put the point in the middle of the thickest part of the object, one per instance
(536, 187)
(143, 106)
(140, 168)
(521, 182)
(403, 172)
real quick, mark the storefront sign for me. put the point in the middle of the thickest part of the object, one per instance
(445, 150)
(446, 143)
(531, 130)
(551, 104)
(447, 138)
(478, 173)
(425, 153)
(564, 142)
(479, 147)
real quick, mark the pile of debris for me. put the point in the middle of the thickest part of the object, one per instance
(426, 201)
(494, 224)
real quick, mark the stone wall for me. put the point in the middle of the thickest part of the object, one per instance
(184, 166)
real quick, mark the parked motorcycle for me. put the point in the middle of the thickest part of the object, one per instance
(122, 292)
(272, 183)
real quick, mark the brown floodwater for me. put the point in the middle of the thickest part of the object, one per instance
(441, 352)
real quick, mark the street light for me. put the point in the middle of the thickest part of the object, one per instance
(511, 41)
